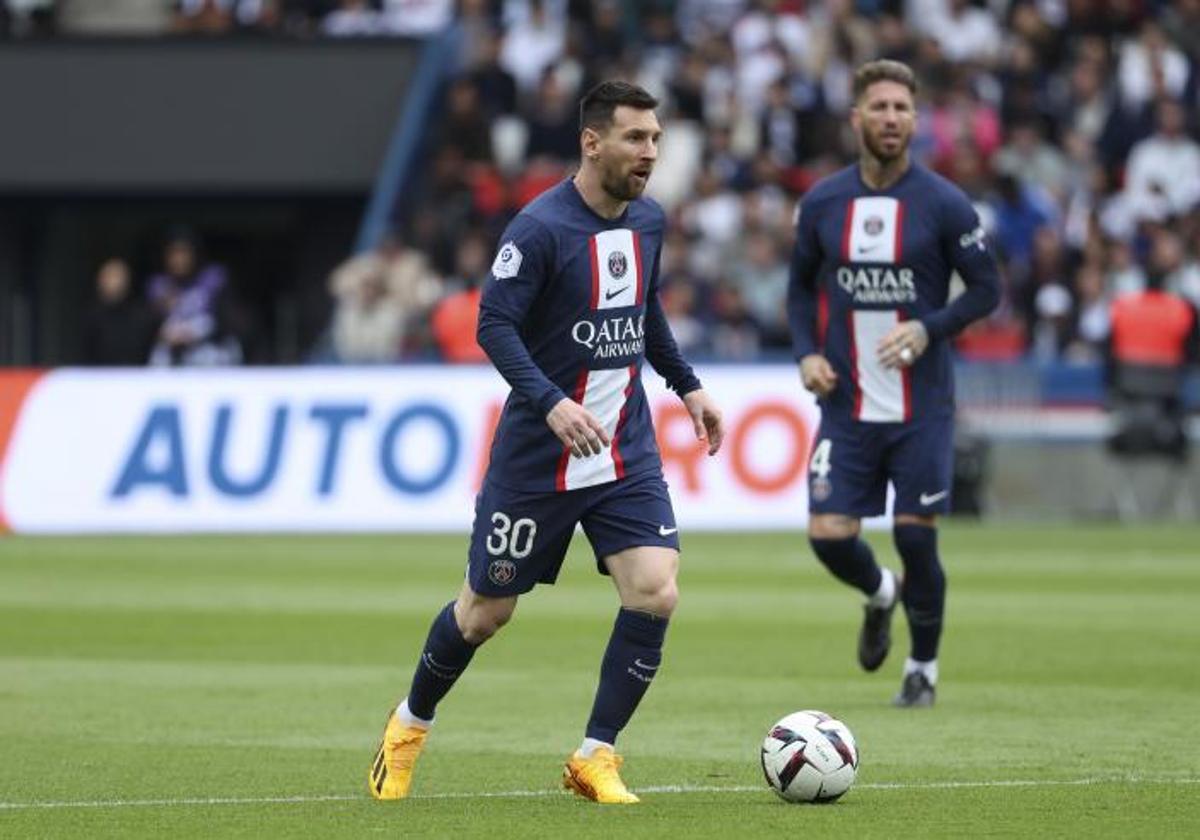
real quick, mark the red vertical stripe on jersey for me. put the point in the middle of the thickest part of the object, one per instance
(618, 461)
(897, 254)
(639, 293)
(906, 377)
(595, 273)
(560, 478)
(857, 415)
(846, 229)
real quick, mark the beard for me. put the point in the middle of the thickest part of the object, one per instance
(874, 144)
(622, 187)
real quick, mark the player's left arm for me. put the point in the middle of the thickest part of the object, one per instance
(663, 354)
(964, 243)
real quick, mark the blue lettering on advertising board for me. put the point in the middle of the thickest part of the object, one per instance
(395, 475)
(161, 424)
(335, 418)
(216, 455)
(157, 457)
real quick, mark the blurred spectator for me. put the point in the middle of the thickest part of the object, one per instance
(465, 124)
(1168, 258)
(114, 17)
(679, 302)
(1181, 22)
(1154, 337)
(1151, 68)
(448, 209)
(199, 318)
(353, 18)
(1020, 212)
(368, 323)
(496, 87)
(1091, 316)
(417, 18)
(959, 115)
(205, 17)
(964, 32)
(735, 334)
(554, 121)
(1125, 275)
(1031, 159)
(1163, 177)
(456, 316)
(382, 297)
(120, 327)
(761, 277)
(534, 41)
(1044, 296)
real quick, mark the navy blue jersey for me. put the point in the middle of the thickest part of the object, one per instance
(867, 259)
(571, 309)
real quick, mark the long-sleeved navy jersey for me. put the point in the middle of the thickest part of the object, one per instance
(571, 309)
(867, 259)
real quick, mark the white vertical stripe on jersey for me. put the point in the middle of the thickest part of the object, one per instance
(874, 230)
(616, 269)
(882, 392)
(604, 396)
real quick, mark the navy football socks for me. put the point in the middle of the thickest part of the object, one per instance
(851, 561)
(924, 587)
(630, 663)
(445, 657)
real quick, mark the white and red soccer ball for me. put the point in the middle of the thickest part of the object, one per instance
(809, 757)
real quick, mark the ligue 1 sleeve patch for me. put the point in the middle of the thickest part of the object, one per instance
(508, 261)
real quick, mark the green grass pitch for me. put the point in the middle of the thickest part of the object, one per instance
(237, 686)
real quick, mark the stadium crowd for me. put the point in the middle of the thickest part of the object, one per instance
(1072, 124)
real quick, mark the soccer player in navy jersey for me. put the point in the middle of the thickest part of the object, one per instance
(872, 321)
(568, 315)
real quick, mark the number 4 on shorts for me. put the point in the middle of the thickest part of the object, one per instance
(819, 465)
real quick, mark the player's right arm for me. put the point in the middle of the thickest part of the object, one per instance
(816, 373)
(521, 269)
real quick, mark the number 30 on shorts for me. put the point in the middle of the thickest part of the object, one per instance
(512, 538)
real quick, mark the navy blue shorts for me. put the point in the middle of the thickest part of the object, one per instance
(520, 538)
(852, 463)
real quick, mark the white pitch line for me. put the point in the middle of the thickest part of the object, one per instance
(515, 794)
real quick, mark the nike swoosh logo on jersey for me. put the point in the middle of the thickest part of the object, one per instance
(639, 663)
(866, 249)
(664, 531)
(929, 498)
(611, 295)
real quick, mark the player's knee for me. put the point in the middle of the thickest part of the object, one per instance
(481, 618)
(479, 627)
(656, 595)
(831, 527)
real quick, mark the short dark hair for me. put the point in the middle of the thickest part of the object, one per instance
(598, 104)
(883, 70)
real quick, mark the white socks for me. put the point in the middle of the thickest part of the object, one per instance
(409, 718)
(886, 593)
(929, 669)
(590, 745)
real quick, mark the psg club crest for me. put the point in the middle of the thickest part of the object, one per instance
(873, 225)
(822, 489)
(502, 571)
(617, 265)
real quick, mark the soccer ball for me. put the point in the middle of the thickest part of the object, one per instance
(809, 757)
